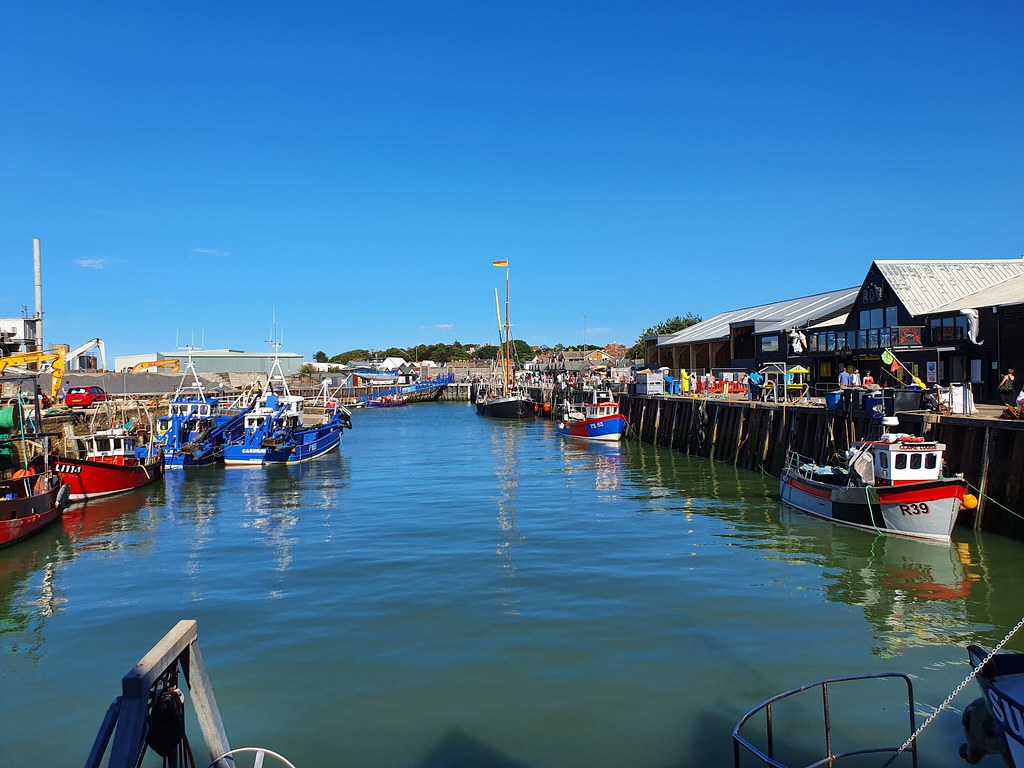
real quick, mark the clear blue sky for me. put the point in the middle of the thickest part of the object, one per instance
(355, 167)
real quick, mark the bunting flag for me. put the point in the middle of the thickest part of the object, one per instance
(501, 263)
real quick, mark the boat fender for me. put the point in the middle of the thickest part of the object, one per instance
(970, 501)
(63, 495)
(983, 734)
(166, 722)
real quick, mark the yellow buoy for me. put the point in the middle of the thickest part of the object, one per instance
(970, 501)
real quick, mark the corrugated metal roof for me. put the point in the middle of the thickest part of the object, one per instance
(766, 318)
(925, 287)
(1008, 292)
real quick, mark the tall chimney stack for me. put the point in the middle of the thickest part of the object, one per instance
(37, 259)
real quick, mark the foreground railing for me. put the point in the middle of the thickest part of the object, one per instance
(767, 753)
(158, 673)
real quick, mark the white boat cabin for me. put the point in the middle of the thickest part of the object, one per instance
(109, 445)
(197, 408)
(897, 459)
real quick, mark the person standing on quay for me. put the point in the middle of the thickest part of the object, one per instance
(1007, 388)
(844, 378)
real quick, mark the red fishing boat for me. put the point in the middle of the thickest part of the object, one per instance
(28, 503)
(108, 462)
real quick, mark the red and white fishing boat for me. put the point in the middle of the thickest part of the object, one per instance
(29, 502)
(108, 462)
(597, 420)
(890, 485)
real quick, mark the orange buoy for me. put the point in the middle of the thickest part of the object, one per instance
(547, 407)
(970, 501)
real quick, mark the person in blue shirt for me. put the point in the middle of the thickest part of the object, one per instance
(844, 378)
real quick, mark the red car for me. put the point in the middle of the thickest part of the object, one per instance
(84, 397)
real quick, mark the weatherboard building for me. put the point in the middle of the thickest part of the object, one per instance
(947, 322)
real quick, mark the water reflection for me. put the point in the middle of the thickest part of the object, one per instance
(506, 439)
(99, 524)
(29, 592)
(599, 463)
(913, 593)
(674, 483)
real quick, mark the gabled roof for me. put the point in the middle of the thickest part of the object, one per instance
(768, 318)
(925, 287)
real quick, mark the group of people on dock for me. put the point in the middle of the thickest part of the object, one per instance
(852, 379)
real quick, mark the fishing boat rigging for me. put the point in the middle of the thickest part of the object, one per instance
(503, 397)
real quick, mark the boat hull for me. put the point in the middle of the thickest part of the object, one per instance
(508, 407)
(1002, 687)
(307, 445)
(92, 479)
(606, 429)
(925, 510)
(26, 515)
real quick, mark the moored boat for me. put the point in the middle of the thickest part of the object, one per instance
(197, 425)
(891, 485)
(386, 401)
(504, 397)
(274, 429)
(108, 462)
(29, 502)
(995, 723)
(597, 420)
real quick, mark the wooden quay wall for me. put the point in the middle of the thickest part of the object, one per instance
(754, 435)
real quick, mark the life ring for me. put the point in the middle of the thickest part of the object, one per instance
(911, 439)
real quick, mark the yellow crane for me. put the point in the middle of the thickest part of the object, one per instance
(55, 359)
(174, 365)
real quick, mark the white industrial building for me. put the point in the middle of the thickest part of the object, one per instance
(219, 360)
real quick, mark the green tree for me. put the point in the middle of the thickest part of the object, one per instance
(672, 325)
(486, 352)
(308, 368)
(352, 354)
(320, 357)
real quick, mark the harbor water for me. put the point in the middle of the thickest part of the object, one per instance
(452, 590)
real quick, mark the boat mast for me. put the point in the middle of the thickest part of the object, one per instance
(501, 342)
(508, 341)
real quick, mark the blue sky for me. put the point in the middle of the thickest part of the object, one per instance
(355, 167)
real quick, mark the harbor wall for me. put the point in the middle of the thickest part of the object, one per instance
(755, 436)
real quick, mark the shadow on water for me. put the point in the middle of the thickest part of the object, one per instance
(457, 749)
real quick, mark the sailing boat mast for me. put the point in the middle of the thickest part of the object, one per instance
(508, 341)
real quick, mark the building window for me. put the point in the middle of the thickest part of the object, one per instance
(769, 343)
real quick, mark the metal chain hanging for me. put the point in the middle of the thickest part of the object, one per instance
(954, 694)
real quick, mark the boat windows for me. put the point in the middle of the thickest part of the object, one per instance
(915, 461)
(931, 461)
(901, 461)
(883, 459)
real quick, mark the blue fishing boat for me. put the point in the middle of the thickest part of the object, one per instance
(276, 429)
(197, 425)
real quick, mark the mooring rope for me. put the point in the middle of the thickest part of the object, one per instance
(993, 501)
(954, 694)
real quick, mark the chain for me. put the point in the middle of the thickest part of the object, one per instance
(954, 694)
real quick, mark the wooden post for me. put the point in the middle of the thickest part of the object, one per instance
(979, 513)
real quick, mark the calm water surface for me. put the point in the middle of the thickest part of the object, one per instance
(454, 590)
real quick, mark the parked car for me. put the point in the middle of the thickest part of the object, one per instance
(84, 397)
